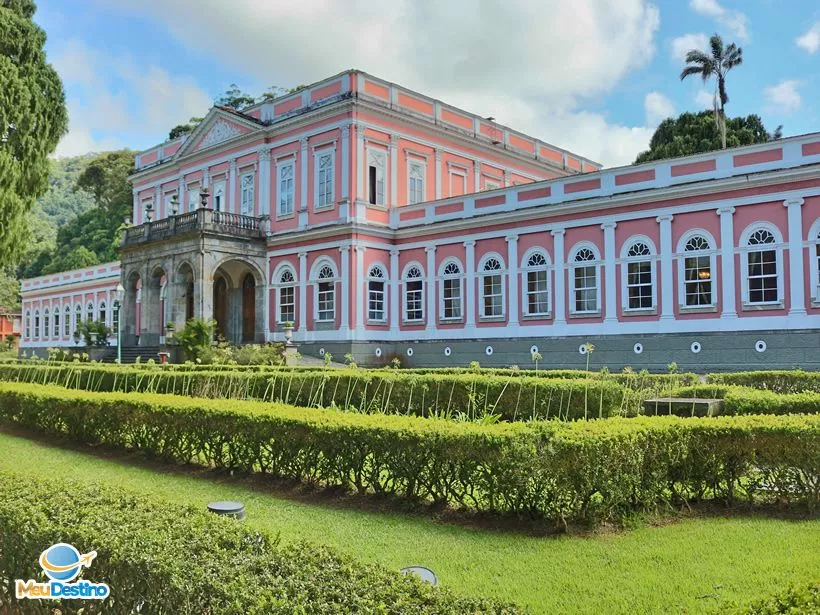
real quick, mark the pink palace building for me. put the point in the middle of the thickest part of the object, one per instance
(384, 223)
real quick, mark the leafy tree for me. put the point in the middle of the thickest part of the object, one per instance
(276, 91)
(184, 129)
(106, 178)
(715, 64)
(33, 117)
(9, 291)
(235, 98)
(695, 133)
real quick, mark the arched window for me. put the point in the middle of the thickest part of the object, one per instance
(28, 325)
(78, 317)
(584, 281)
(56, 330)
(413, 294)
(287, 296)
(817, 267)
(639, 273)
(36, 324)
(492, 288)
(698, 290)
(451, 282)
(536, 286)
(67, 322)
(762, 267)
(103, 313)
(89, 312)
(326, 295)
(375, 294)
(46, 330)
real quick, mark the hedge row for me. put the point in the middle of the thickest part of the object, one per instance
(778, 381)
(463, 397)
(746, 400)
(162, 558)
(803, 599)
(560, 471)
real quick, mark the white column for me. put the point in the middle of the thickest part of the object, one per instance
(344, 289)
(477, 176)
(558, 258)
(303, 273)
(345, 162)
(610, 257)
(264, 182)
(157, 201)
(430, 288)
(136, 206)
(267, 287)
(797, 295)
(361, 285)
(394, 170)
(512, 277)
(361, 162)
(206, 178)
(469, 280)
(395, 274)
(727, 261)
(438, 173)
(303, 174)
(183, 203)
(666, 287)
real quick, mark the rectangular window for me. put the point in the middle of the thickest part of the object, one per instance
(375, 300)
(415, 182)
(491, 185)
(697, 280)
(193, 198)
(324, 179)
(763, 276)
(327, 304)
(639, 285)
(375, 177)
(414, 300)
(286, 188)
(246, 194)
(492, 296)
(219, 196)
(537, 295)
(458, 184)
(452, 298)
(287, 304)
(586, 289)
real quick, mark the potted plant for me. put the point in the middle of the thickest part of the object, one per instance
(169, 328)
(287, 327)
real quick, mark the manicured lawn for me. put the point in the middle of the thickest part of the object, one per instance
(684, 567)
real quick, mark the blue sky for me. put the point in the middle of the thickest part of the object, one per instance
(594, 76)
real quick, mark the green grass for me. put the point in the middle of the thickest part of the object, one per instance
(688, 566)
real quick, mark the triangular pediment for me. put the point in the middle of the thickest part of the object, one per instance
(218, 127)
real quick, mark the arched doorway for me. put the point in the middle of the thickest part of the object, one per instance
(238, 301)
(184, 295)
(248, 308)
(221, 306)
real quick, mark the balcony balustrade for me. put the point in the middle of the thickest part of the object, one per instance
(201, 220)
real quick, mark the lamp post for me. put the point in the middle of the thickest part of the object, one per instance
(117, 306)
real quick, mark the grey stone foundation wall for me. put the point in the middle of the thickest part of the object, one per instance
(718, 352)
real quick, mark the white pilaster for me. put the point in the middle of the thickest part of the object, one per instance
(395, 274)
(361, 162)
(346, 162)
(394, 170)
(610, 256)
(560, 294)
(430, 288)
(157, 201)
(303, 174)
(727, 261)
(469, 280)
(361, 288)
(206, 177)
(303, 292)
(666, 249)
(344, 290)
(264, 182)
(797, 275)
(267, 287)
(232, 205)
(476, 176)
(512, 277)
(136, 208)
(438, 173)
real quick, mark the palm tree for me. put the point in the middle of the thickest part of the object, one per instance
(720, 62)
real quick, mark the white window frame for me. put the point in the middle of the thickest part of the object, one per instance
(382, 279)
(90, 311)
(419, 190)
(443, 277)
(324, 200)
(681, 255)
(526, 269)
(28, 324)
(46, 323)
(55, 323)
(744, 249)
(279, 285)
(404, 294)
(457, 172)
(38, 322)
(285, 196)
(377, 157)
(814, 262)
(218, 196)
(67, 322)
(481, 275)
(78, 318)
(626, 260)
(193, 197)
(102, 317)
(318, 267)
(247, 194)
(572, 266)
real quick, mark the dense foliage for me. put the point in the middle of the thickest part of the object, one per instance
(778, 381)
(793, 600)
(33, 118)
(163, 558)
(588, 470)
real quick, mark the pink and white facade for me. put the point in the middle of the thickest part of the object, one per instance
(385, 223)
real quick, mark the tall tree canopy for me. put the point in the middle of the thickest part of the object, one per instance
(183, 129)
(235, 98)
(33, 117)
(695, 133)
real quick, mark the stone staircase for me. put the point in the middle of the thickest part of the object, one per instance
(130, 354)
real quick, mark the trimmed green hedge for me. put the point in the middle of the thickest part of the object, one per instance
(464, 396)
(778, 381)
(162, 558)
(560, 471)
(746, 400)
(794, 600)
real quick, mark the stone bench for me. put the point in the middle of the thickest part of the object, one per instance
(683, 406)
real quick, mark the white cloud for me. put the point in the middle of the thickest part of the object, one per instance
(705, 99)
(529, 63)
(735, 21)
(111, 95)
(810, 41)
(658, 107)
(683, 44)
(783, 98)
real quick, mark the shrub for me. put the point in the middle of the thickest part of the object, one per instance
(559, 471)
(164, 558)
(794, 600)
(195, 338)
(746, 400)
(791, 381)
